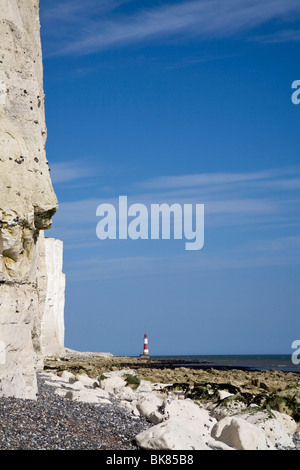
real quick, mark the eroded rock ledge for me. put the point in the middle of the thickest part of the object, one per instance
(205, 410)
(267, 388)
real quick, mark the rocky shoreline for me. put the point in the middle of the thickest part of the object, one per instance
(103, 402)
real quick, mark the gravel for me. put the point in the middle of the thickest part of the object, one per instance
(56, 423)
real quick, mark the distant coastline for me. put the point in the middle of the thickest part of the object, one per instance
(281, 362)
(253, 362)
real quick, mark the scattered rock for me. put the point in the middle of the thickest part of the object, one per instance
(86, 380)
(287, 422)
(173, 434)
(148, 403)
(241, 435)
(54, 422)
(232, 414)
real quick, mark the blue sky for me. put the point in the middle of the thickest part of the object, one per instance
(186, 102)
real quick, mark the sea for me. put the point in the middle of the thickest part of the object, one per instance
(283, 362)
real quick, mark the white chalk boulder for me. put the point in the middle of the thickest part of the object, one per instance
(241, 435)
(271, 426)
(173, 434)
(148, 403)
(113, 384)
(86, 380)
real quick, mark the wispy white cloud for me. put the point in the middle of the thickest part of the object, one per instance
(277, 244)
(100, 267)
(263, 200)
(262, 222)
(83, 173)
(200, 19)
(68, 11)
(64, 172)
(219, 212)
(273, 176)
(289, 35)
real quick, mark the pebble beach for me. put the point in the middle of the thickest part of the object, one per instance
(55, 422)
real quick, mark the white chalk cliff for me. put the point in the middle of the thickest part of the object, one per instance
(27, 204)
(53, 303)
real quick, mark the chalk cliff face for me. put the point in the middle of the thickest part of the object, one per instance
(27, 199)
(52, 305)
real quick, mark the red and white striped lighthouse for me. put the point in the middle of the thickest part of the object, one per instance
(146, 351)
